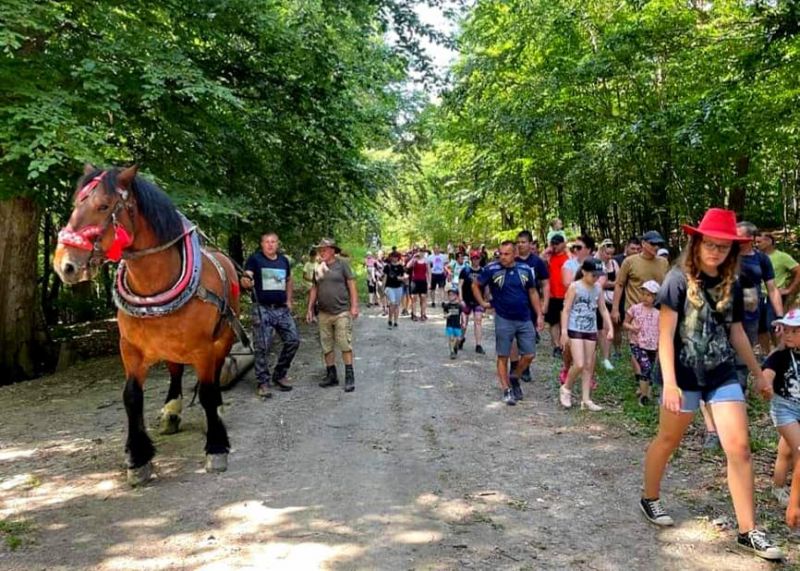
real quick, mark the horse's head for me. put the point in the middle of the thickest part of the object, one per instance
(100, 225)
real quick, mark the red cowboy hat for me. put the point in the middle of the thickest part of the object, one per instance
(717, 223)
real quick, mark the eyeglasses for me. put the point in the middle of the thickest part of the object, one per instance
(711, 246)
(576, 247)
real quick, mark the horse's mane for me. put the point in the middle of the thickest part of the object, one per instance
(153, 203)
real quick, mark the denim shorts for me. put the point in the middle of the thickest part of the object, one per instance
(784, 411)
(394, 295)
(730, 392)
(506, 330)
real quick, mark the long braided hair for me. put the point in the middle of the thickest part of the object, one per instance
(728, 270)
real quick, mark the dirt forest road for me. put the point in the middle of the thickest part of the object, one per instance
(420, 468)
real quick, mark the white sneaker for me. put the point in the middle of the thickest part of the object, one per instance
(607, 365)
(781, 494)
(565, 397)
(591, 406)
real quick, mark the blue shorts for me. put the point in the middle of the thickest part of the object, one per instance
(784, 411)
(453, 331)
(394, 295)
(730, 392)
(506, 330)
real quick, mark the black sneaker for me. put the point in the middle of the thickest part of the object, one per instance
(757, 542)
(479, 350)
(558, 352)
(433, 304)
(644, 401)
(461, 343)
(395, 324)
(526, 375)
(508, 397)
(390, 325)
(452, 354)
(516, 390)
(655, 513)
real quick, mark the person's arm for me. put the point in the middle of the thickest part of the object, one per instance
(351, 287)
(477, 292)
(461, 288)
(545, 294)
(628, 324)
(611, 284)
(775, 299)
(606, 317)
(667, 324)
(312, 300)
(619, 286)
(567, 276)
(795, 285)
(741, 344)
(568, 300)
(289, 291)
(536, 302)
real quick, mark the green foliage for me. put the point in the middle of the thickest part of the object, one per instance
(616, 116)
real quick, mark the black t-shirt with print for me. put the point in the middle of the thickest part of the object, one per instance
(786, 364)
(452, 312)
(394, 275)
(704, 357)
(270, 277)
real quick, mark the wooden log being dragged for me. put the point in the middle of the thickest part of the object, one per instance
(237, 363)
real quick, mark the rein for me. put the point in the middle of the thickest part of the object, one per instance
(136, 254)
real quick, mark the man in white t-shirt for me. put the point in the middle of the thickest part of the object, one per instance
(438, 263)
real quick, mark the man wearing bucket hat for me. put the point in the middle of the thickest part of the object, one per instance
(700, 333)
(334, 292)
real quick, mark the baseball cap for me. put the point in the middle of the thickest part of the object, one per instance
(475, 254)
(651, 286)
(557, 239)
(791, 319)
(606, 243)
(593, 265)
(654, 237)
(663, 252)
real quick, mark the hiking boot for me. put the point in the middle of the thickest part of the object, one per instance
(781, 494)
(479, 350)
(508, 397)
(516, 390)
(711, 442)
(565, 397)
(349, 380)
(655, 512)
(281, 386)
(263, 391)
(330, 380)
(526, 375)
(757, 542)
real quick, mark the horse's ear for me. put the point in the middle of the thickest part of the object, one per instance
(88, 168)
(126, 176)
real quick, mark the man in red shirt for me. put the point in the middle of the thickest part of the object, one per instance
(558, 257)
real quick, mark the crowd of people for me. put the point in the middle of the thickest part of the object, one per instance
(692, 329)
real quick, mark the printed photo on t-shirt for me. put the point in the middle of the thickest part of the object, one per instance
(273, 279)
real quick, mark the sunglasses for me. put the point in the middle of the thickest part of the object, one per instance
(576, 247)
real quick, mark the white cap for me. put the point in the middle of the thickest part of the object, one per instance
(791, 319)
(663, 252)
(651, 286)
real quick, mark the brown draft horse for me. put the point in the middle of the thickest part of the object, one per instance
(114, 203)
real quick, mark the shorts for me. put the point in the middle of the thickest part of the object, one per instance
(784, 411)
(766, 316)
(506, 330)
(394, 295)
(438, 280)
(645, 358)
(453, 331)
(419, 287)
(554, 308)
(335, 332)
(731, 391)
(370, 287)
(468, 308)
(582, 335)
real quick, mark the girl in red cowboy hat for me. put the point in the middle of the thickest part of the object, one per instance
(700, 332)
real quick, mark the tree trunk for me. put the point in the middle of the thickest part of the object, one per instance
(236, 248)
(738, 195)
(19, 238)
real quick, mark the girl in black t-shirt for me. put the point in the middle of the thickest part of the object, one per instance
(700, 332)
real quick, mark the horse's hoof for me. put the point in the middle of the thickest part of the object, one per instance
(170, 424)
(216, 463)
(141, 475)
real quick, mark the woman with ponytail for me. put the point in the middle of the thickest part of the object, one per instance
(700, 334)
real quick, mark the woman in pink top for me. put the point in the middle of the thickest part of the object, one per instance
(641, 321)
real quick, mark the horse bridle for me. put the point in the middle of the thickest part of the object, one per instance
(89, 237)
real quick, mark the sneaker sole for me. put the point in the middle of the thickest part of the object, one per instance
(654, 522)
(774, 557)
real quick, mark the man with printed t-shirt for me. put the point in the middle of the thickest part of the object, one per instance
(271, 274)
(513, 290)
